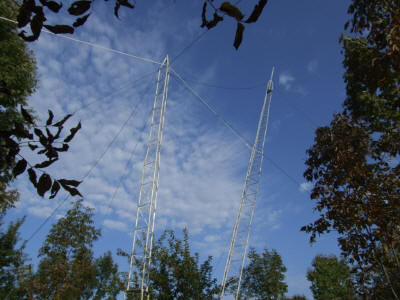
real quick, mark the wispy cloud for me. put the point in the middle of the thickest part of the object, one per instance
(312, 66)
(305, 187)
(286, 80)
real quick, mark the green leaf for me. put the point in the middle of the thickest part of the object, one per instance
(44, 184)
(54, 189)
(238, 35)
(20, 167)
(71, 191)
(50, 119)
(60, 29)
(79, 7)
(257, 11)
(73, 132)
(231, 11)
(81, 21)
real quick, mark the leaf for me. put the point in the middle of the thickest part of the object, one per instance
(53, 6)
(65, 182)
(50, 119)
(20, 167)
(60, 123)
(64, 148)
(25, 13)
(45, 163)
(21, 131)
(54, 189)
(231, 11)
(238, 35)
(80, 21)
(33, 147)
(37, 23)
(203, 15)
(32, 176)
(257, 11)
(72, 191)
(118, 4)
(79, 7)
(217, 18)
(73, 132)
(26, 115)
(44, 184)
(60, 29)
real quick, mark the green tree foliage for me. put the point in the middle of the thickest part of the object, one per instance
(263, 277)
(13, 268)
(354, 162)
(177, 274)
(331, 279)
(68, 269)
(33, 13)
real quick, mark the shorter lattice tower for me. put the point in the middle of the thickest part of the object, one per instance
(241, 232)
(143, 234)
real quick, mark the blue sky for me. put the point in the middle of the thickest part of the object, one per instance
(203, 164)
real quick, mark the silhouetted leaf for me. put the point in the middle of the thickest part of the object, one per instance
(238, 35)
(231, 11)
(53, 6)
(25, 13)
(40, 135)
(32, 176)
(65, 182)
(44, 184)
(37, 22)
(79, 7)
(256, 11)
(203, 15)
(60, 29)
(54, 189)
(45, 164)
(33, 147)
(21, 132)
(118, 4)
(80, 21)
(60, 123)
(217, 18)
(64, 148)
(50, 119)
(73, 132)
(72, 191)
(20, 167)
(26, 115)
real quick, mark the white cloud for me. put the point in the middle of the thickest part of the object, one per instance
(40, 211)
(117, 225)
(312, 66)
(286, 80)
(305, 187)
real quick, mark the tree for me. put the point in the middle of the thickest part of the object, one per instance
(34, 15)
(177, 274)
(353, 161)
(13, 267)
(263, 277)
(18, 128)
(68, 269)
(330, 279)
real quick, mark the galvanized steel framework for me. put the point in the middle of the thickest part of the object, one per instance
(143, 234)
(241, 232)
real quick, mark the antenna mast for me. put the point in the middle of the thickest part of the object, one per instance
(143, 234)
(241, 231)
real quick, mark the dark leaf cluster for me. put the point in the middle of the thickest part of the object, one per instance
(41, 142)
(234, 12)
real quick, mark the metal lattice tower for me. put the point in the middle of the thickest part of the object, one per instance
(143, 234)
(241, 231)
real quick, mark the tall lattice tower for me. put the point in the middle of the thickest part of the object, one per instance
(241, 232)
(143, 234)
